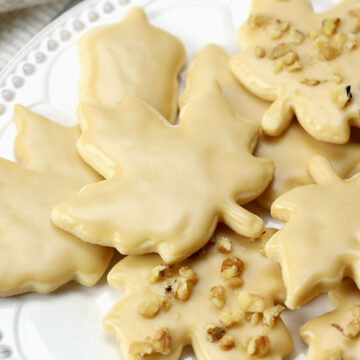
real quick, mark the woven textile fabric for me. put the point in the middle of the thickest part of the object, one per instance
(18, 27)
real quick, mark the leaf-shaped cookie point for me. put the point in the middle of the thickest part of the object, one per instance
(293, 149)
(37, 256)
(131, 58)
(167, 186)
(335, 335)
(221, 301)
(212, 63)
(306, 63)
(319, 245)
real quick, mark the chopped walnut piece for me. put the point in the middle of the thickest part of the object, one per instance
(214, 333)
(182, 289)
(352, 329)
(329, 26)
(271, 314)
(224, 245)
(296, 66)
(166, 303)
(290, 58)
(310, 82)
(296, 37)
(232, 267)
(227, 342)
(159, 344)
(149, 308)
(188, 274)
(251, 302)
(260, 52)
(259, 346)
(235, 282)
(340, 40)
(279, 51)
(333, 354)
(355, 25)
(328, 53)
(157, 273)
(275, 34)
(342, 96)
(259, 20)
(278, 66)
(351, 45)
(231, 316)
(283, 26)
(218, 296)
(313, 35)
(336, 78)
(321, 42)
(255, 318)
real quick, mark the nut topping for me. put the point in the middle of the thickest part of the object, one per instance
(231, 316)
(232, 267)
(218, 296)
(259, 346)
(329, 26)
(251, 302)
(149, 308)
(227, 342)
(214, 333)
(224, 245)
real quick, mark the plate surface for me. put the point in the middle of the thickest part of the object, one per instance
(66, 325)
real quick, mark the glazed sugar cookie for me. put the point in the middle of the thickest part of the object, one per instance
(292, 150)
(36, 256)
(131, 58)
(335, 335)
(221, 301)
(319, 245)
(305, 63)
(212, 63)
(168, 186)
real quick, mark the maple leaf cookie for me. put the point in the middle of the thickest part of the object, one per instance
(306, 63)
(37, 256)
(167, 186)
(319, 245)
(291, 152)
(131, 58)
(335, 335)
(212, 63)
(224, 301)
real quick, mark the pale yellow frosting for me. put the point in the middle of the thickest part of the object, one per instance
(187, 320)
(293, 149)
(330, 60)
(37, 256)
(131, 58)
(212, 63)
(167, 186)
(321, 335)
(319, 245)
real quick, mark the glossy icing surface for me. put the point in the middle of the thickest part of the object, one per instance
(187, 320)
(320, 333)
(37, 256)
(319, 245)
(167, 186)
(326, 65)
(131, 58)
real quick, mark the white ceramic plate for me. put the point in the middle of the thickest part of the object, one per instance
(66, 325)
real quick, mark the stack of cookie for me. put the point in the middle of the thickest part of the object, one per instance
(271, 124)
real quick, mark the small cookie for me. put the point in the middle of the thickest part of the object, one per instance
(221, 301)
(168, 186)
(291, 152)
(336, 335)
(306, 63)
(36, 256)
(319, 245)
(131, 58)
(212, 63)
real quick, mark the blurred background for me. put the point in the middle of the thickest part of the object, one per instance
(20, 20)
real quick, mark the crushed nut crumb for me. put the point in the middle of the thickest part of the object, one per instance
(259, 20)
(310, 82)
(251, 302)
(328, 53)
(157, 273)
(255, 318)
(214, 333)
(271, 314)
(329, 26)
(275, 34)
(279, 51)
(313, 35)
(278, 66)
(232, 267)
(260, 52)
(296, 37)
(296, 66)
(231, 316)
(166, 303)
(227, 342)
(342, 96)
(340, 40)
(259, 346)
(218, 296)
(355, 25)
(224, 245)
(336, 78)
(290, 58)
(283, 26)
